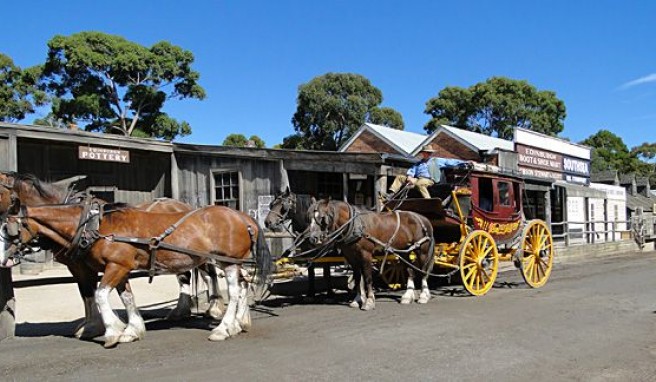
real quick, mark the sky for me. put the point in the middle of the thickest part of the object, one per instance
(599, 57)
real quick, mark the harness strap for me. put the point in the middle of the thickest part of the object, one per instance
(75, 246)
(155, 242)
(175, 248)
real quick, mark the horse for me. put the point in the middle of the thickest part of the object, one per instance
(361, 235)
(182, 309)
(288, 206)
(124, 241)
(32, 192)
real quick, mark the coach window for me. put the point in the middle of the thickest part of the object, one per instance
(226, 189)
(504, 193)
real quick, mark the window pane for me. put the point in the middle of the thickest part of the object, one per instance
(504, 193)
(226, 191)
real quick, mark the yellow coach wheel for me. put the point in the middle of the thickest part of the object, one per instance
(479, 262)
(394, 274)
(537, 253)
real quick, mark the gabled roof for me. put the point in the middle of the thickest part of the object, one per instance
(635, 201)
(403, 141)
(476, 141)
(604, 176)
(642, 181)
(627, 178)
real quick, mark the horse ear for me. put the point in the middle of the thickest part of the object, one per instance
(313, 200)
(286, 191)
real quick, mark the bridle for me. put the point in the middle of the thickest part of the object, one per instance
(287, 204)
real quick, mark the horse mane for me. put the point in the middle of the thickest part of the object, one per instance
(45, 189)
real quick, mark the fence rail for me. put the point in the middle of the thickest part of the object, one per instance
(642, 228)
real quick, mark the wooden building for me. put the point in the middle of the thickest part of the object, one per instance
(115, 168)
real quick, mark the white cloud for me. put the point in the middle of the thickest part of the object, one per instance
(639, 81)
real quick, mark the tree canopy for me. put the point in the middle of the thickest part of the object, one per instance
(239, 140)
(495, 107)
(609, 152)
(19, 94)
(118, 86)
(331, 107)
(387, 116)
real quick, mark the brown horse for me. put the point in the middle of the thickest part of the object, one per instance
(33, 192)
(361, 235)
(124, 239)
(182, 309)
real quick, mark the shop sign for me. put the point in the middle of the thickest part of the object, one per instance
(576, 166)
(103, 154)
(538, 158)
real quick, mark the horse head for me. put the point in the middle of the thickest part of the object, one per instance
(323, 218)
(15, 233)
(279, 210)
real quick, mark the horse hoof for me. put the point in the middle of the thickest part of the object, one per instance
(214, 313)
(406, 300)
(369, 306)
(354, 304)
(218, 334)
(245, 321)
(235, 329)
(423, 299)
(127, 338)
(112, 341)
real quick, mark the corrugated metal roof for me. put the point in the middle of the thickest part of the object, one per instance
(635, 201)
(604, 176)
(481, 141)
(405, 140)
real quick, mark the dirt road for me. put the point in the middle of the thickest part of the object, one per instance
(592, 322)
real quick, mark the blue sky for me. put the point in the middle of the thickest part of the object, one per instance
(599, 57)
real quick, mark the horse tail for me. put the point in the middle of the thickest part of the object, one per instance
(428, 231)
(263, 263)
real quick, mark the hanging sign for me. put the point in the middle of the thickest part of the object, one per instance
(103, 154)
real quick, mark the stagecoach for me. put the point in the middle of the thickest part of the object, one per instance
(478, 221)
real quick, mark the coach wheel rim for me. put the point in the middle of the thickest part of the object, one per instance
(537, 254)
(394, 274)
(479, 262)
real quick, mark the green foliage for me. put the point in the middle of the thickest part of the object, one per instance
(386, 116)
(609, 152)
(19, 94)
(292, 142)
(239, 140)
(331, 107)
(495, 107)
(259, 143)
(118, 86)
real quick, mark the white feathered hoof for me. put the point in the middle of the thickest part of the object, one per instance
(111, 341)
(423, 298)
(370, 304)
(354, 304)
(245, 321)
(131, 334)
(218, 334)
(408, 297)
